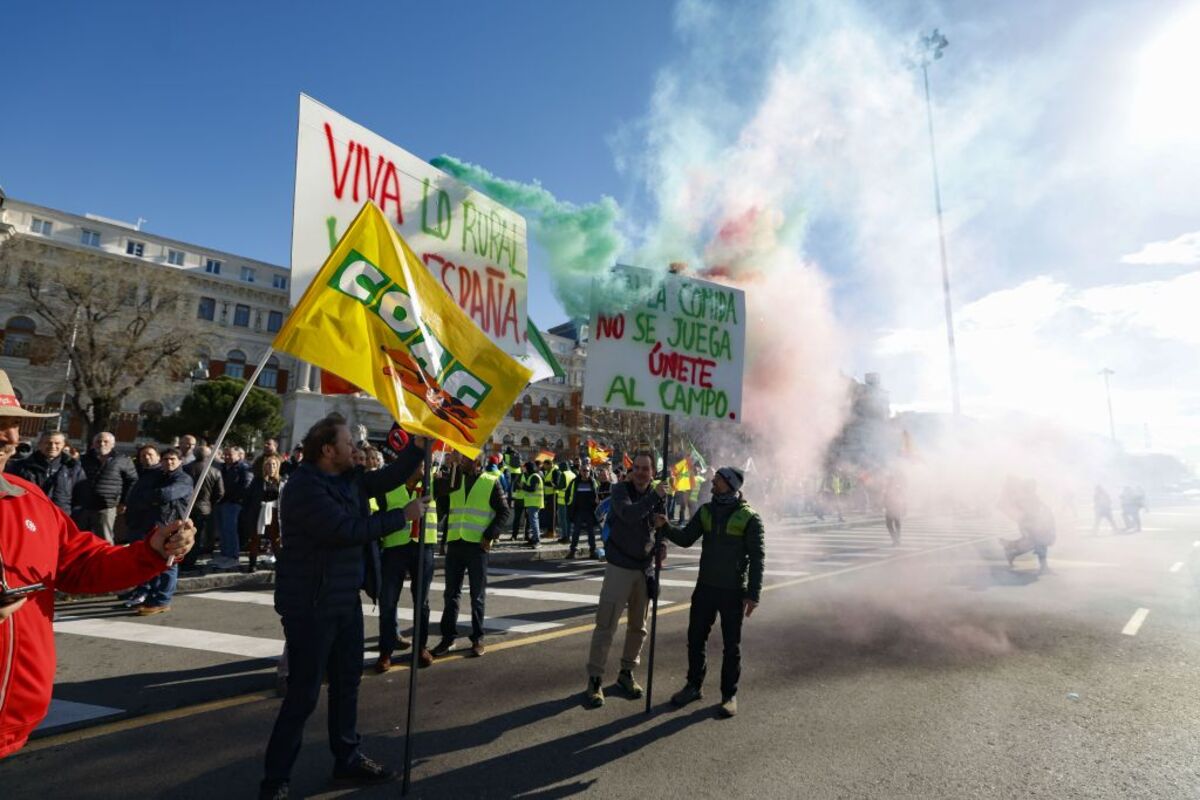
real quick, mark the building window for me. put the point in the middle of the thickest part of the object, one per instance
(248, 274)
(43, 226)
(18, 336)
(89, 238)
(269, 377)
(235, 364)
(135, 248)
(241, 316)
(175, 257)
(279, 281)
(212, 266)
(208, 309)
(274, 321)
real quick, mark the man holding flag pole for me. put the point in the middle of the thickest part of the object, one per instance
(375, 317)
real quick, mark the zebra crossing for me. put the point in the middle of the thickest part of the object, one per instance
(224, 629)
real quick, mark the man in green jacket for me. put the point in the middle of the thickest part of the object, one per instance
(730, 582)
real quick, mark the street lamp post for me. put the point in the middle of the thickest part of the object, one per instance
(929, 49)
(1112, 428)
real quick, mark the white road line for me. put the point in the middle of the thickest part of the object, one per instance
(514, 625)
(186, 638)
(831, 563)
(784, 573)
(538, 594)
(573, 576)
(1135, 622)
(1178, 565)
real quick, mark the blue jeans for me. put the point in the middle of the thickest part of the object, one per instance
(161, 589)
(579, 527)
(397, 563)
(533, 530)
(471, 560)
(227, 527)
(564, 522)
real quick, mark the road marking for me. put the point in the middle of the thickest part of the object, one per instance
(573, 576)
(1178, 565)
(1135, 622)
(785, 573)
(540, 594)
(187, 638)
(134, 723)
(515, 625)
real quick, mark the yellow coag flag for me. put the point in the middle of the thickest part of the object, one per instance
(682, 473)
(376, 317)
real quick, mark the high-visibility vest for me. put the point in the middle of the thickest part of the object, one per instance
(548, 484)
(533, 491)
(695, 493)
(399, 498)
(568, 478)
(734, 526)
(470, 514)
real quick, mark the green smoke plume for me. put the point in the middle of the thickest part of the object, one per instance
(581, 242)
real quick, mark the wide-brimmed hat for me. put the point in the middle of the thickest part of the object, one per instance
(10, 406)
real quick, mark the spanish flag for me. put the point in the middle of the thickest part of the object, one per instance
(598, 454)
(376, 317)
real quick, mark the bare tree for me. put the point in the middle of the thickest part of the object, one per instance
(120, 329)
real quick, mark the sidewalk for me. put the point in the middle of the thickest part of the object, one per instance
(505, 551)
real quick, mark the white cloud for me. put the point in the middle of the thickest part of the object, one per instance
(1181, 250)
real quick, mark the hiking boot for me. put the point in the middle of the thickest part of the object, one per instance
(383, 664)
(441, 648)
(626, 681)
(268, 791)
(728, 707)
(478, 648)
(425, 659)
(687, 694)
(594, 694)
(364, 770)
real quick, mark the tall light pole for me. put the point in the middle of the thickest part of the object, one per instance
(1112, 428)
(929, 49)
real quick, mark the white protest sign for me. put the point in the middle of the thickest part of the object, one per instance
(677, 349)
(475, 247)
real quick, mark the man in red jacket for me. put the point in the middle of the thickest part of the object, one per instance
(40, 544)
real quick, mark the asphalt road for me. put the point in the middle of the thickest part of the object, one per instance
(927, 672)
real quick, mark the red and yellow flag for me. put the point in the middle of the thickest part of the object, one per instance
(375, 316)
(681, 475)
(598, 454)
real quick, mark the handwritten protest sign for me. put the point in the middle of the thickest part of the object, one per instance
(675, 346)
(474, 247)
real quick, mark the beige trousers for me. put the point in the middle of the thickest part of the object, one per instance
(622, 588)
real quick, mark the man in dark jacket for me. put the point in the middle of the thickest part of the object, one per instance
(109, 477)
(326, 525)
(630, 559)
(54, 472)
(236, 477)
(211, 492)
(730, 581)
(159, 497)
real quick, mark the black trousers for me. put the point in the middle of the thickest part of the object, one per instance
(471, 560)
(707, 603)
(320, 641)
(518, 517)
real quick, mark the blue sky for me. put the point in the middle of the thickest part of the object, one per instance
(1066, 134)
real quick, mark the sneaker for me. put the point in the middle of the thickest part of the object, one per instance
(364, 770)
(267, 791)
(626, 681)
(595, 695)
(266, 561)
(149, 611)
(478, 648)
(441, 648)
(383, 664)
(728, 707)
(402, 643)
(135, 600)
(425, 659)
(687, 694)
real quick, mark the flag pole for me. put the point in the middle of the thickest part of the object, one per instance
(657, 571)
(216, 446)
(418, 618)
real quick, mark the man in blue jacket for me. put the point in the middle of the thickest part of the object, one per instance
(159, 497)
(326, 526)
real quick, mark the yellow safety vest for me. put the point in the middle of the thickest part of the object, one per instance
(548, 484)
(470, 514)
(695, 493)
(562, 493)
(399, 498)
(533, 491)
(517, 481)
(734, 526)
